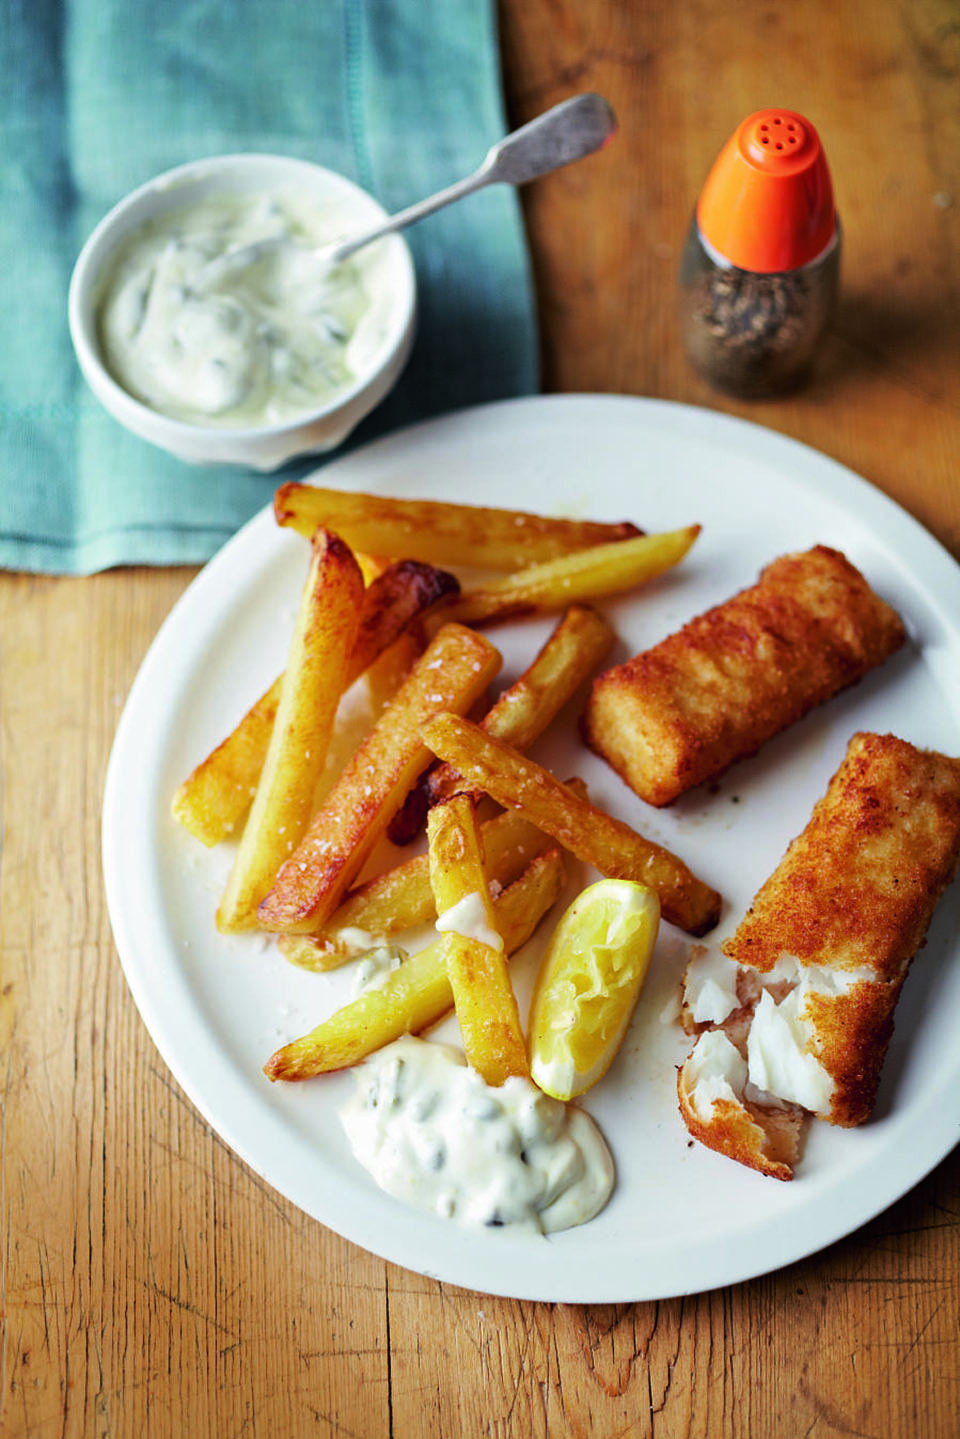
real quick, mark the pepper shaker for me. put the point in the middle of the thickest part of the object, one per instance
(761, 264)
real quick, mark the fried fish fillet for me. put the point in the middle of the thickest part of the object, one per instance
(816, 966)
(716, 690)
(850, 903)
(711, 1085)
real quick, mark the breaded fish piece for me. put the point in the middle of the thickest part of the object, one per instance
(848, 907)
(711, 1087)
(797, 1012)
(716, 690)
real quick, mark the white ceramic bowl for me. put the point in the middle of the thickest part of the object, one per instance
(261, 447)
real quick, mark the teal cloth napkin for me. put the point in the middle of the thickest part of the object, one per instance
(403, 96)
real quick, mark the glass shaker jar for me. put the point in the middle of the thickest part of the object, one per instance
(761, 265)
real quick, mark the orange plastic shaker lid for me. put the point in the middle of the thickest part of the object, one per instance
(768, 203)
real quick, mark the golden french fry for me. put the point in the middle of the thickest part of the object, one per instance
(577, 644)
(450, 674)
(213, 800)
(401, 898)
(392, 602)
(594, 836)
(389, 670)
(608, 569)
(317, 663)
(573, 650)
(418, 994)
(438, 531)
(483, 996)
(371, 566)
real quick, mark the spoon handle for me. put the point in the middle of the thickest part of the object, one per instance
(565, 133)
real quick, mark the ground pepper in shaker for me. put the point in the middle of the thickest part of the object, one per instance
(761, 264)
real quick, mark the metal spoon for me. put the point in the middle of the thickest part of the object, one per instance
(565, 133)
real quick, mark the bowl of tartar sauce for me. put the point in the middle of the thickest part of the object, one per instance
(250, 364)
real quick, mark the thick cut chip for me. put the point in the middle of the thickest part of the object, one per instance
(523, 711)
(418, 994)
(483, 996)
(389, 670)
(394, 601)
(213, 800)
(451, 674)
(611, 846)
(438, 531)
(317, 663)
(402, 898)
(608, 569)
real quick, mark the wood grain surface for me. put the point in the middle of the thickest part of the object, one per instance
(152, 1284)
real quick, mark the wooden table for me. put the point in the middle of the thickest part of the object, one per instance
(152, 1283)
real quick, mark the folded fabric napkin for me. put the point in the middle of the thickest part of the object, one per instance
(403, 96)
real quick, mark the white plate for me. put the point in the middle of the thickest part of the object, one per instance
(682, 1219)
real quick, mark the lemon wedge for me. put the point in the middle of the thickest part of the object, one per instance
(589, 984)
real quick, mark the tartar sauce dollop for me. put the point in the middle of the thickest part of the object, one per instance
(433, 1133)
(258, 344)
